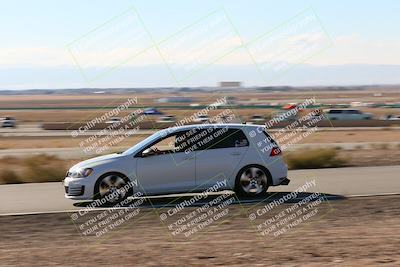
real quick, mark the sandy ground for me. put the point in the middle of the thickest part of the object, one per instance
(79, 115)
(352, 232)
(325, 96)
(350, 136)
(150, 99)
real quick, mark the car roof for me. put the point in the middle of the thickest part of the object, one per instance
(206, 125)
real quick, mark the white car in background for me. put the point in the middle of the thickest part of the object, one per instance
(347, 114)
(391, 118)
(183, 159)
(201, 118)
(114, 120)
(167, 118)
(8, 122)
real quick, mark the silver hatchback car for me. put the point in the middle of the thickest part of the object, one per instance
(184, 159)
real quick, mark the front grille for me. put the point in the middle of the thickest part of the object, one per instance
(74, 191)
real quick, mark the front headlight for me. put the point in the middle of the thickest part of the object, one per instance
(80, 173)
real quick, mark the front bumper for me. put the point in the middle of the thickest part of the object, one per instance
(78, 188)
(284, 181)
(74, 191)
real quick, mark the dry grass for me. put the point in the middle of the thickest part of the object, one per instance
(49, 168)
(315, 159)
(40, 168)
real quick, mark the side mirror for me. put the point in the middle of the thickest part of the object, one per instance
(147, 152)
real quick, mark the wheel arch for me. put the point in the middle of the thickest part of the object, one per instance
(267, 172)
(96, 185)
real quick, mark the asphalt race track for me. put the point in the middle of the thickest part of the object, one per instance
(336, 183)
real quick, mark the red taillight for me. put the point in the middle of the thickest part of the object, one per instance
(275, 151)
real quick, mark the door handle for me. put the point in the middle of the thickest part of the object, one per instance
(235, 153)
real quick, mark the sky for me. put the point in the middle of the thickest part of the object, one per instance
(75, 44)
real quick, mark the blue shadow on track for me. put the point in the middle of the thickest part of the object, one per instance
(164, 201)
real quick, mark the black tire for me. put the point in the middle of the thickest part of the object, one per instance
(110, 187)
(257, 186)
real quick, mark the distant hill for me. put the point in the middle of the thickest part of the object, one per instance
(155, 77)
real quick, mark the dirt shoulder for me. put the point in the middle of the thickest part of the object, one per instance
(350, 136)
(350, 232)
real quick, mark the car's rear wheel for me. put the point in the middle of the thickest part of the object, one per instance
(252, 180)
(112, 188)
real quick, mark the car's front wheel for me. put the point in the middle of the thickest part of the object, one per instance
(112, 188)
(252, 180)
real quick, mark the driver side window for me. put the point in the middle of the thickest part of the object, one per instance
(165, 145)
(169, 144)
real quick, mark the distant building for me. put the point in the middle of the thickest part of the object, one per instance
(230, 84)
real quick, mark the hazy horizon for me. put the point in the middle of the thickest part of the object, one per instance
(74, 44)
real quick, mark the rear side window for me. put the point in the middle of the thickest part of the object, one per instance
(222, 138)
(269, 138)
(335, 111)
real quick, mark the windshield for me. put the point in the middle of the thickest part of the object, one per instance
(142, 143)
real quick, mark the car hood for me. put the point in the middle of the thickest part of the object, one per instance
(97, 161)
